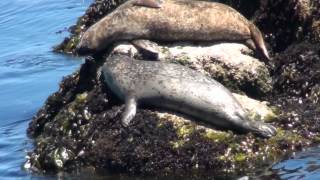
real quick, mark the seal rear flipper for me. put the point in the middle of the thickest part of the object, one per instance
(250, 44)
(148, 3)
(130, 111)
(147, 48)
(258, 40)
(264, 130)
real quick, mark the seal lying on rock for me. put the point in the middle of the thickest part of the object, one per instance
(178, 88)
(179, 20)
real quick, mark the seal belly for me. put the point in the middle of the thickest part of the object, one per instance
(181, 89)
(213, 21)
(203, 101)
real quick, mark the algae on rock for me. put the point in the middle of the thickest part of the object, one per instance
(87, 131)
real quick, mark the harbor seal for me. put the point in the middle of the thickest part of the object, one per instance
(174, 20)
(178, 88)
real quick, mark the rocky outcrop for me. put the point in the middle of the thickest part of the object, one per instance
(79, 125)
(87, 132)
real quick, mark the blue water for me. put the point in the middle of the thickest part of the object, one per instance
(30, 72)
(302, 165)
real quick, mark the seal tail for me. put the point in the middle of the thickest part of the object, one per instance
(258, 40)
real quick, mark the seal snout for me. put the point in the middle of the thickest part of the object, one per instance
(85, 45)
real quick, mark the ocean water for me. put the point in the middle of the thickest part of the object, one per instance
(30, 72)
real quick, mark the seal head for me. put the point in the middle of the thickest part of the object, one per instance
(85, 46)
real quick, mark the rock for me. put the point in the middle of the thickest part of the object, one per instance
(83, 119)
(315, 33)
(85, 130)
(229, 63)
(258, 110)
(296, 69)
(79, 125)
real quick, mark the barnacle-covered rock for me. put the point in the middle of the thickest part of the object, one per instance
(87, 131)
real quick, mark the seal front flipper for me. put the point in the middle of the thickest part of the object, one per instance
(148, 3)
(258, 41)
(250, 44)
(147, 48)
(130, 111)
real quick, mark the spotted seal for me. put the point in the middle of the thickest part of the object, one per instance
(177, 88)
(172, 20)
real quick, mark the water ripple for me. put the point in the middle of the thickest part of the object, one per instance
(303, 165)
(29, 71)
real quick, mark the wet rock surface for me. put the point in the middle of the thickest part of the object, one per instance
(297, 89)
(79, 126)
